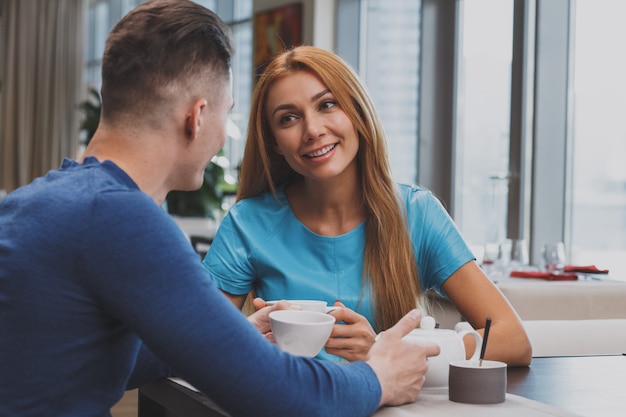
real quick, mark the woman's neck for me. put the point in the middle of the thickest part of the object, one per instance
(325, 208)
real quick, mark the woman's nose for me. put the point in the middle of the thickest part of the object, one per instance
(314, 127)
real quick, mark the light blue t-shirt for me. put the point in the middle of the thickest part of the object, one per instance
(262, 245)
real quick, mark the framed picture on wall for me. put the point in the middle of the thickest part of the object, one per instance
(275, 30)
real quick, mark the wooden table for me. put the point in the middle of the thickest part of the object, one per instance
(166, 398)
(593, 386)
(590, 386)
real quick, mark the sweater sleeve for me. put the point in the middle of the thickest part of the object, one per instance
(147, 368)
(142, 270)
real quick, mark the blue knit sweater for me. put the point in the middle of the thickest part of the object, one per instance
(100, 292)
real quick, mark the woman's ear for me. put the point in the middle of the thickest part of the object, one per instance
(277, 148)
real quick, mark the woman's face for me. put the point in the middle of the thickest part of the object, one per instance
(312, 132)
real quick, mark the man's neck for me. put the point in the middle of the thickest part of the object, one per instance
(140, 162)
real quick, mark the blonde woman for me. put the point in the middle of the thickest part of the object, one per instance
(318, 216)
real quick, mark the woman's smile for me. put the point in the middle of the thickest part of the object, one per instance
(321, 152)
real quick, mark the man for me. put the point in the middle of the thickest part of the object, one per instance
(99, 290)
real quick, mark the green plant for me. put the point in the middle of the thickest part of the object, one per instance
(207, 200)
(91, 108)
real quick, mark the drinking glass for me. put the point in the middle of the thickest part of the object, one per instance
(490, 253)
(490, 262)
(553, 255)
(519, 253)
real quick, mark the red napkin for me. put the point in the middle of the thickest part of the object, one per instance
(550, 276)
(586, 269)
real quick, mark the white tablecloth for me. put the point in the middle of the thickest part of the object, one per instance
(537, 299)
(435, 403)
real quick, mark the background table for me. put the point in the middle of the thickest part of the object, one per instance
(583, 299)
(590, 386)
(538, 299)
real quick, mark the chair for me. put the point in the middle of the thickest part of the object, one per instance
(201, 244)
(442, 309)
(199, 231)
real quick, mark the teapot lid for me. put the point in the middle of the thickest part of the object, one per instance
(428, 323)
(428, 329)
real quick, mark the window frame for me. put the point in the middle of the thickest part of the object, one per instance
(539, 122)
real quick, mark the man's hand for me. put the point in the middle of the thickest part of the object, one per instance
(399, 365)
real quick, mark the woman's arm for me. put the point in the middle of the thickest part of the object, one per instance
(477, 298)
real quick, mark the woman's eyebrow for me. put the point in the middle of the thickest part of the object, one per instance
(282, 107)
(320, 94)
(291, 106)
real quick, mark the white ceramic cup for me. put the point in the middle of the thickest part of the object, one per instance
(308, 305)
(473, 383)
(451, 348)
(301, 332)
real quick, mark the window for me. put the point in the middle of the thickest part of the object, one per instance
(101, 17)
(483, 119)
(240, 21)
(391, 73)
(387, 36)
(598, 173)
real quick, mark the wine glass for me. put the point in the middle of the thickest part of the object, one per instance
(519, 253)
(553, 255)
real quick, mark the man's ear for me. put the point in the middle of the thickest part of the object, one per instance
(194, 118)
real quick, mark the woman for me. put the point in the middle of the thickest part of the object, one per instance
(319, 217)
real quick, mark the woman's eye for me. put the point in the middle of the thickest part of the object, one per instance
(286, 119)
(328, 104)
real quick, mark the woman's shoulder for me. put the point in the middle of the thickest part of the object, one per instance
(254, 221)
(419, 199)
(260, 209)
(412, 193)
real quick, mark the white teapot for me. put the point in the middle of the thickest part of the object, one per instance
(451, 346)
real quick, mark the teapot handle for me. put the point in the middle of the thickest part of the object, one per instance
(479, 342)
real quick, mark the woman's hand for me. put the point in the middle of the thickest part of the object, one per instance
(353, 338)
(260, 318)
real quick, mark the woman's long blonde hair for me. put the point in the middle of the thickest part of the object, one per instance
(389, 261)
